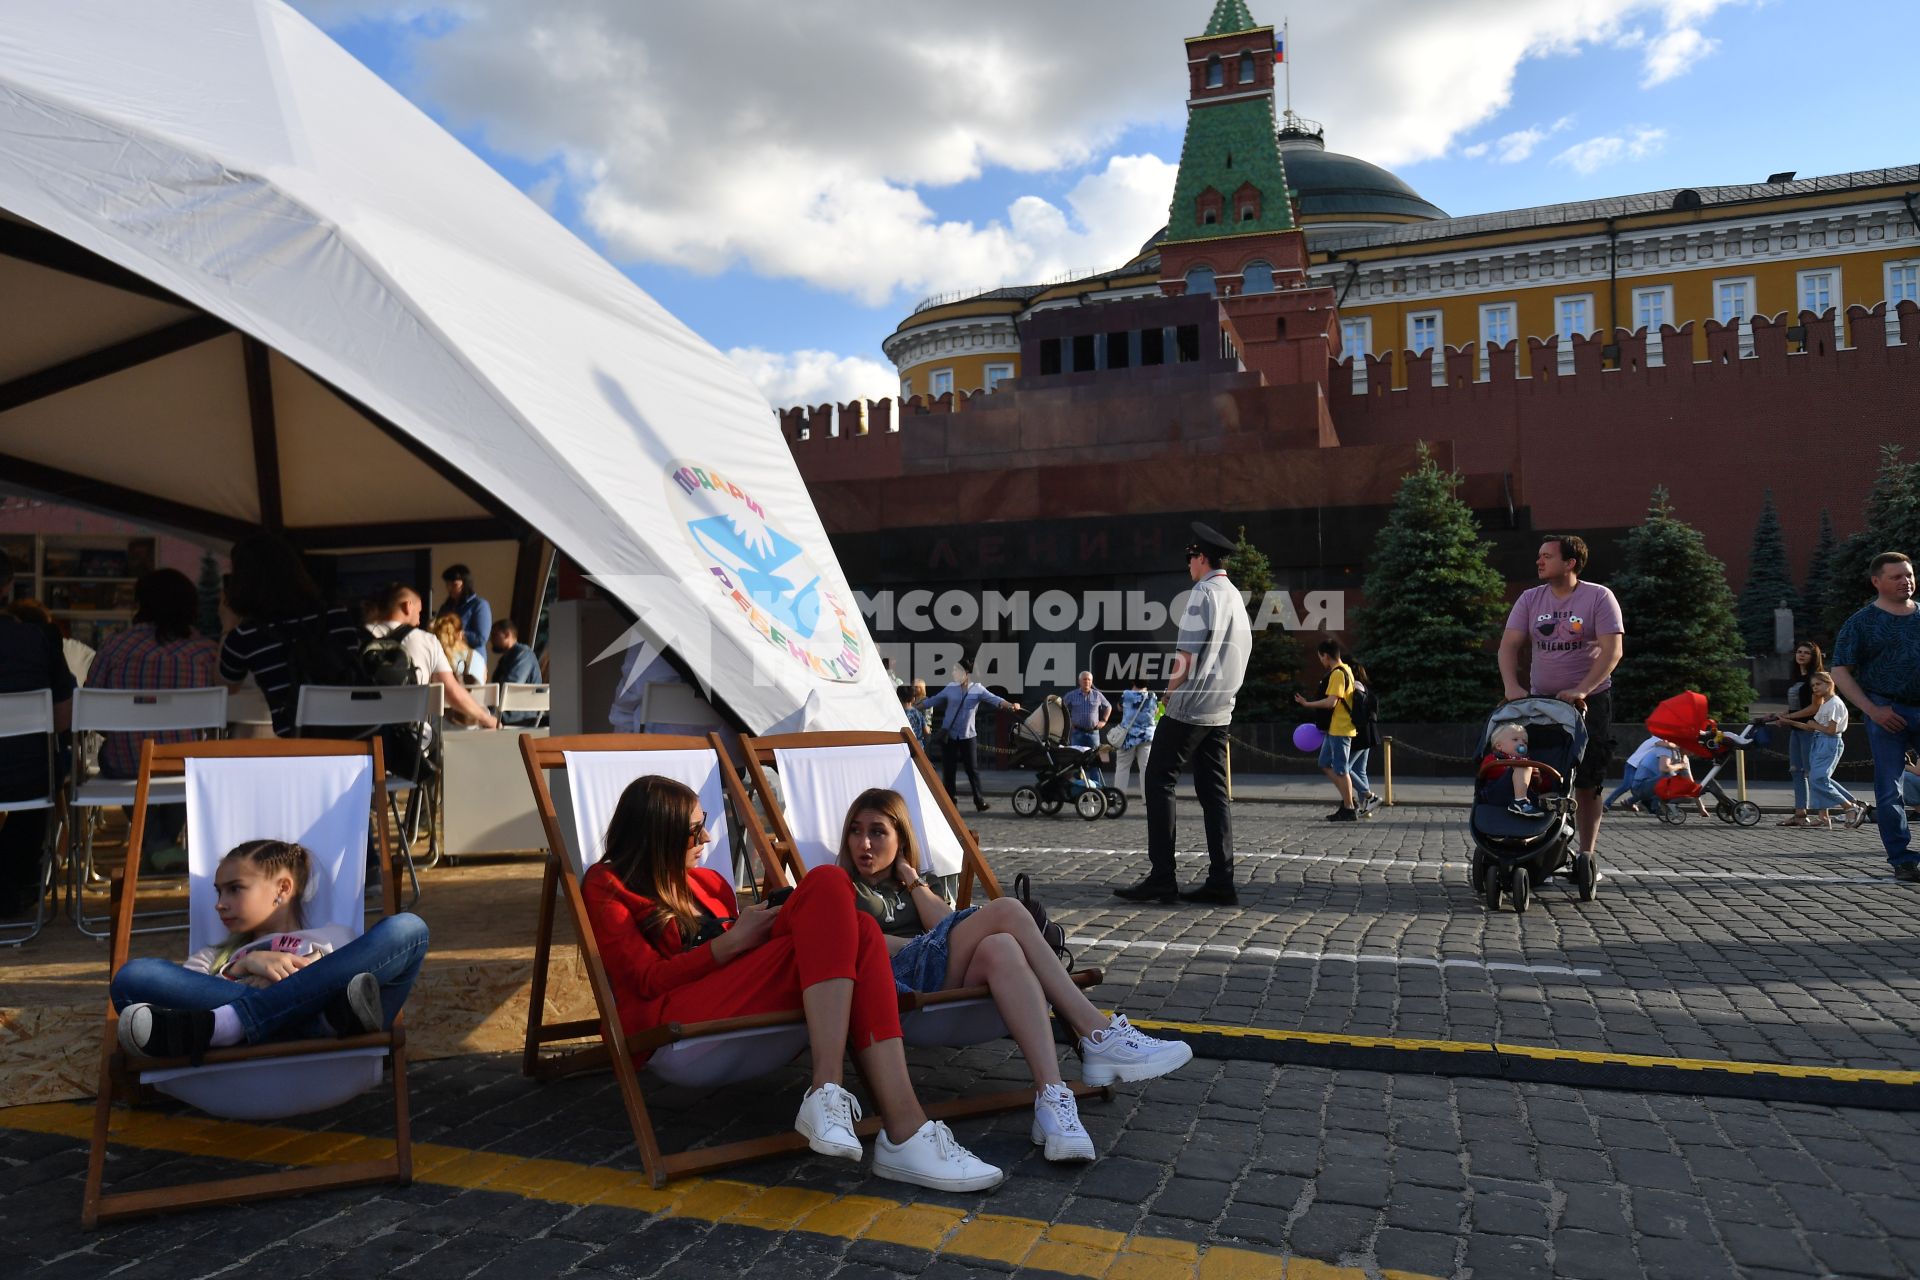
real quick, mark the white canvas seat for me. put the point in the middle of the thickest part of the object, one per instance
(821, 774)
(318, 794)
(146, 711)
(25, 715)
(370, 708)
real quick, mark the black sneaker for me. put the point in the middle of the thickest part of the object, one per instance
(1150, 890)
(1343, 815)
(1908, 871)
(981, 806)
(356, 1010)
(148, 1031)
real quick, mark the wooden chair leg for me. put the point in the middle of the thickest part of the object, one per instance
(542, 957)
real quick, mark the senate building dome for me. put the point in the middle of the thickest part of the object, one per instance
(1334, 191)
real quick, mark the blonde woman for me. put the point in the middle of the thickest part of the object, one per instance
(466, 661)
(1829, 725)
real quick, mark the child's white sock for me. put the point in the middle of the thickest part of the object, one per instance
(226, 1027)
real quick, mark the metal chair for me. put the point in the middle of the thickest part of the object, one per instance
(142, 711)
(524, 698)
(22, 715)
(370, 709)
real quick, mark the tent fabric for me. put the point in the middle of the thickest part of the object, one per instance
(233, 161)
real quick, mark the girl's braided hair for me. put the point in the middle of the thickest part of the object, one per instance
(276, 857)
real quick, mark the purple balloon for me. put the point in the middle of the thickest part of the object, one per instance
(1307, 737)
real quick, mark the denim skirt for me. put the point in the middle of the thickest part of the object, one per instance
(921, 965)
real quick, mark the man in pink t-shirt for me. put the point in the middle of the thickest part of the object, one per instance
(1576, 638)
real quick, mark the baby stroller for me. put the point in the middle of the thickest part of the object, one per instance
(1683, 721)
(1059, 770)
(1514, 853)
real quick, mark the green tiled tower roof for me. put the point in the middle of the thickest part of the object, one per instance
(1230, 143)
(1230, 16)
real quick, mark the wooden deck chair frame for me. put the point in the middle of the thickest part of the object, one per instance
(777, 847)
(617, 1051)
(117, 1078)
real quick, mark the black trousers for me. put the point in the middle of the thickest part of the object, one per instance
(1175, 742)
(957, 752)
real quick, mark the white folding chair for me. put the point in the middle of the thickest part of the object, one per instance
(317, 794)
(487, 695)
(524, 698)
(145, 711)
(595, 769)
(23, 715)
(371, 708)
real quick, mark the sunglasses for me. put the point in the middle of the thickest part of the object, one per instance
(697, 829)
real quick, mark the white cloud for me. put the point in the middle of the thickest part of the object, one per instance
(1475, 151)
(814, 142)
(1597, 153)
(814, 377)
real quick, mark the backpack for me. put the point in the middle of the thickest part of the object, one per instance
(1364, 709)
(312, 654)
(384, 660)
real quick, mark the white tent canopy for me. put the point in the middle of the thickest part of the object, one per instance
(245, 284)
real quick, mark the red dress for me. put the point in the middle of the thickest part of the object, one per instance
(819, 934)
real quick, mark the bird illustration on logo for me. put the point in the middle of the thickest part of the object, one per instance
(754, 555)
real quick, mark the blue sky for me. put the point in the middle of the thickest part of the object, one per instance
(792, 202)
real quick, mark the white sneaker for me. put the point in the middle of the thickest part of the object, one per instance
(1122, 1053)
(826, 1118)
(932, 1157)
(1056, 1125)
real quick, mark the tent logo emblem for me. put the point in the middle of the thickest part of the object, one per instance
(766, 574)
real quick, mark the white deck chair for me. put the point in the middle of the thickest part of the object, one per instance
(24, 715)
(596, 768)
(374, 707)
(128, 711)
(821, 774)
(319, 794)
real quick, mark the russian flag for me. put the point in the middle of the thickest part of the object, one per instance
(1279, 47)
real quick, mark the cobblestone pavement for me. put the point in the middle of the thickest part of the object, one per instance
(1762, 944)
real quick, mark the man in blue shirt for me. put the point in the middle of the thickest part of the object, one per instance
(1876, 667)
(959, 701)
(475, 614)
(513, 663)
(1087, 712)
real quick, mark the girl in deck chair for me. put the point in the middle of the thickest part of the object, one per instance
(273, 978)
(678, 948)
(997, 946)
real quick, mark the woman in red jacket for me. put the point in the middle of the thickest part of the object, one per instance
(678, 948)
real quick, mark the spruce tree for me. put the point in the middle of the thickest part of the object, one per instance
(1892, 524)
(1434, 605)
(1769, 584)
(1847, 586)
(1681, 630)
(1274, 664)
(1813, 600)
(207, 619)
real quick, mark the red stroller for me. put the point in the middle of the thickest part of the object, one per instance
(1683, 720)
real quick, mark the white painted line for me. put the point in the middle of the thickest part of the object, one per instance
(1333, 957)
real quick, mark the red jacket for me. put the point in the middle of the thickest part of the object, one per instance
(642, 966)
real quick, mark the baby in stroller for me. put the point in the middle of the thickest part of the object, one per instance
(1505, 771)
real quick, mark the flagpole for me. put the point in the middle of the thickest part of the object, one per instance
(1286, 60)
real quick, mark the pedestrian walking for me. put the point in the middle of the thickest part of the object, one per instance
(1876, 667)
(1824, 730)
(1336, 747)
(1138, 708)
(960, 701)
(1210, 662)
(1807, 659)
(1364, 710)
(1576, 636)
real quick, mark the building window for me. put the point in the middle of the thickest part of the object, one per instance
(939, 382)
(1256, 277)
(1153, 346)
(1733, 302)
(1496, 330)
(1356, 339)
(1246, 213)
(1423, 331)
(1820, 290)
(1216, 74)
(1209, 218)
(1246, 68)
(996, 374)
(1572, 316)
(1186, 342)
(1653, 308)
(1200, 280)
(1049, 357)
(906, 389)
(1085, 355)
(1119, 345)
(1903, 283)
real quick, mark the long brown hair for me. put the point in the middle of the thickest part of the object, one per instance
(281, 857)
(646, 846)
(889, 805)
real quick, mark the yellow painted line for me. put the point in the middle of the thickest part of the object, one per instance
(1785, 1070)
(931, 1228)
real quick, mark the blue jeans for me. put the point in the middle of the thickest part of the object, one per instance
(1088, 738)
(1822, 791)
(1357, 774)
(1799, 764)
(1643, 779)
(291, 1008)
(1625, 788)
(1889, 763)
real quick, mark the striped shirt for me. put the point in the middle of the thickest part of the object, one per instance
(256, 649)
(134, 659)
